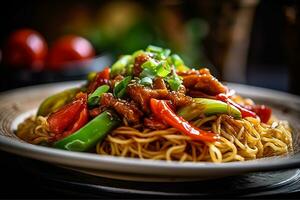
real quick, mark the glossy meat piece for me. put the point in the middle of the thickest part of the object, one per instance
(154, 123)
(194, 72)
(139, 60)
(142, 95)
(124, 108)
(179, 99)
(159, 83)
(205, 83)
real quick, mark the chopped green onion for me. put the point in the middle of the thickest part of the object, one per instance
(120, 88)
(119, 67)
(95, 96)
(147, 72)
(163, 69)
(164, 54)
(146, 81)
(177, 62)
(150, 64)
(174, 82)
(154, 49)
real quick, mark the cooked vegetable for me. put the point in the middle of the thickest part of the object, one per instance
(174, 81)
(95, 96)
(177, 62)
(154, 49)
(80, 122)
(120, 88)
(56, 101)
(101, 78)
(162, 111)
(207, 107)
(245, 112)
(146, 81)
(262, 111)
(61, 120)
(119, 67)
(93, 132)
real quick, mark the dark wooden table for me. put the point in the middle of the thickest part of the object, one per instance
(25, 178)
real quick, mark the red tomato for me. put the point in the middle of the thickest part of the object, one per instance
(25, 48)
(69, 48)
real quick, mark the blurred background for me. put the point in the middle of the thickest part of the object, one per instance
(244, 41)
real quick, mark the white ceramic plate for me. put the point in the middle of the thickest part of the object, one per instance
(17, 104)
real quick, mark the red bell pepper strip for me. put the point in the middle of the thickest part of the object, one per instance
(262, 111)
(61, 119)
(245, 112)
(80, 122)
(162, 111)
(70, 117)
(100, 79)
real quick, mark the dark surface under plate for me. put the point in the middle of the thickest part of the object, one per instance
(27, 178)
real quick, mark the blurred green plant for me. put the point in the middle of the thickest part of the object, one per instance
(121, 27)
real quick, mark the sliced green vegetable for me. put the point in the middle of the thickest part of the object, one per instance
(120, 66)
(154, 49)
(149, 64)
(177, 62)
(56, 101)
(207, 107)
(93, 98)
(88, 136)
(120, 88)
(163, 69)
(146, 81)
(174, 81)
(147, 72)
(164, 54)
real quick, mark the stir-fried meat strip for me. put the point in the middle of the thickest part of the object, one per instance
(159, 83)
(182, 89)
(206, 83)
(125, 109)
(179, 99)
(199, 94)
(194, 72)
(201, 80)
(142, 96)
(154, 123)
(139, 60)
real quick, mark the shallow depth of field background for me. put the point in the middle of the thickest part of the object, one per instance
(244, 41)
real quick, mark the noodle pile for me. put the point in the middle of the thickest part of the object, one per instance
(239, 140)
(34, 130)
